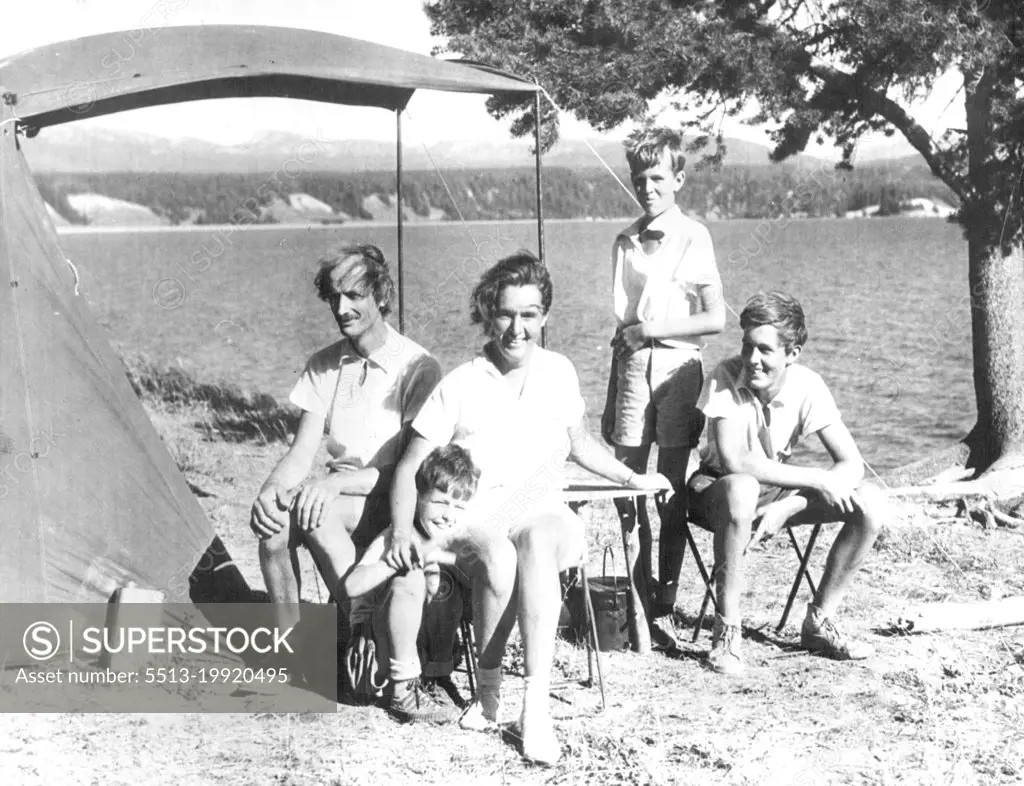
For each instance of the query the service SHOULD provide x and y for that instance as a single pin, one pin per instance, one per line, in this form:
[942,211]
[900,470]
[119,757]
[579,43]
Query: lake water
[885,299]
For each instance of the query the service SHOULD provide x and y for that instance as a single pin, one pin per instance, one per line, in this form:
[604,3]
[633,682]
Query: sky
[430,117]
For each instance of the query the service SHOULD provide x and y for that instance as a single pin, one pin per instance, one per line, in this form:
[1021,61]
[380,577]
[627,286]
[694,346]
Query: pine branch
[875,102]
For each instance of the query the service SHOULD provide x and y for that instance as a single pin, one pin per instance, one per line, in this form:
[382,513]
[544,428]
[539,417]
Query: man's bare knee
[277,546]
[874,509]
[345,513]
[329,539]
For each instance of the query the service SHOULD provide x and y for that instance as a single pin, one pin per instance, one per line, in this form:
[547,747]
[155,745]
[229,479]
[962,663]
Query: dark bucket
[608,597]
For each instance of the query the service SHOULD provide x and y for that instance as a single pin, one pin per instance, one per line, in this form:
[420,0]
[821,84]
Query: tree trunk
[997,323]
[997,306]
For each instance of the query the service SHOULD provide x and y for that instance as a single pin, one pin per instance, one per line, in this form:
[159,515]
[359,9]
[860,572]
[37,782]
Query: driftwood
[1003,480]
[1005,519]
[974,502]
[938,492]
[928,617]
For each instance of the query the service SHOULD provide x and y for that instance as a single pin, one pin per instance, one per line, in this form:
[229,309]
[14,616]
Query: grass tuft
[225,411]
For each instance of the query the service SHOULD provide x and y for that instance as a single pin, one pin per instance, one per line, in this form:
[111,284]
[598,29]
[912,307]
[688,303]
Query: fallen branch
[981,513]
[1005,519]
[950,475]
[961,616]
[988,514]
[1003,484]
[938,492]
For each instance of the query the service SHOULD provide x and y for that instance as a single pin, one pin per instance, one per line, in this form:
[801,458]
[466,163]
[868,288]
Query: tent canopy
[92,498]
[112,72]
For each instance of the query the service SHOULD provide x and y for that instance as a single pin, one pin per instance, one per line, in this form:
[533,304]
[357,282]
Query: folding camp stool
[802,554]
[579,574]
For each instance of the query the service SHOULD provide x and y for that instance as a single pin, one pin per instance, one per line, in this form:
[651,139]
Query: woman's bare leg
[486,561]
[545,546]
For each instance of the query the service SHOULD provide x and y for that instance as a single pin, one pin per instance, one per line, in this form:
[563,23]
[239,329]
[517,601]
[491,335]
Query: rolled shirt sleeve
[698,268]
[313,389]
[818,410]
[719,397]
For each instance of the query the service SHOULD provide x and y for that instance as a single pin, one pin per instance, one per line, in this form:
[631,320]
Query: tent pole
[401,266]
[540,204]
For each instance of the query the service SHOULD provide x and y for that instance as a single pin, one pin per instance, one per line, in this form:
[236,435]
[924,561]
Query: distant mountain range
[97,176]
[82,149]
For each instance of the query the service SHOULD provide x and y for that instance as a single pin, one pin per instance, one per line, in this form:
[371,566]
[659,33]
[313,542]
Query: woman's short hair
[644,148]
[779,310]
[450,470]
[376,276]
[520,269]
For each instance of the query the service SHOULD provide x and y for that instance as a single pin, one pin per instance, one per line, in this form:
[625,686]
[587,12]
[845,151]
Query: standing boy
[667,295]
[758,404]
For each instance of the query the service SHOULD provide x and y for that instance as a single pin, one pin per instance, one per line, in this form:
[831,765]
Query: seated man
[445,482]
[758,405]
[361,393]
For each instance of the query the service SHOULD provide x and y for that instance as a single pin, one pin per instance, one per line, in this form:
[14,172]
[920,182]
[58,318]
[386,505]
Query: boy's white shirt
[664,284]
[803,406]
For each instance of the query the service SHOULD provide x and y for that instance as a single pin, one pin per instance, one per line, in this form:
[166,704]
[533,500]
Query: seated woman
[517,408]
[361,393]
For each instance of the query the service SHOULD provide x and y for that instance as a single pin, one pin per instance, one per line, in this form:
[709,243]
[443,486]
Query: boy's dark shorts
[705,477]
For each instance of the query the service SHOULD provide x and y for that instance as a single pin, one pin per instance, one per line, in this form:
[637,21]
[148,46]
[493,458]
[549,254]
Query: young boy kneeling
[445,482]
[758,405]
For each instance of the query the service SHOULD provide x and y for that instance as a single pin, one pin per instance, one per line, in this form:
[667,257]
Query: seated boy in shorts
[445,482]
[758,404]
[667,295]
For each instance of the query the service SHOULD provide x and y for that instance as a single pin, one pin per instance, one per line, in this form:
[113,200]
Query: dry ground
[933,708]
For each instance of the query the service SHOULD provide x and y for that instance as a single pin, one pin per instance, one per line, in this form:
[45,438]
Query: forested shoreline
[731,192]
